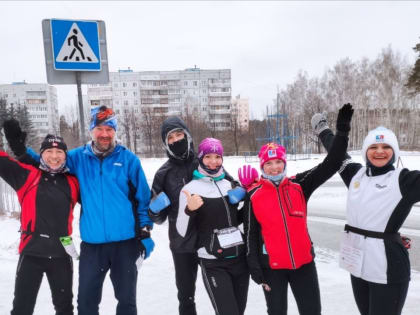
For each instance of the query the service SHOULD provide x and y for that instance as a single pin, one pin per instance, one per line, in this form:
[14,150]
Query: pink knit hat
[271,151]
[210,145]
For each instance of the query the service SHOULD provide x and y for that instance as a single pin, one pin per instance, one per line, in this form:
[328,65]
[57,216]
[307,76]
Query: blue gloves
[158,203]
[236,195]
[148,246]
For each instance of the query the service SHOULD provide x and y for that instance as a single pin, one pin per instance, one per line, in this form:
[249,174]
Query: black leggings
[379,299]
[29,275]
[186,266]
[226,282]
[304,285]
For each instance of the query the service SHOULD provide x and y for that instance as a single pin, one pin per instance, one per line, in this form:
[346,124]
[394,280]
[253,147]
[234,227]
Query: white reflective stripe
[207,283]
[343,166]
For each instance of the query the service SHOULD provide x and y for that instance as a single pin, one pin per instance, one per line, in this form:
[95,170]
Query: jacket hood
[172,123]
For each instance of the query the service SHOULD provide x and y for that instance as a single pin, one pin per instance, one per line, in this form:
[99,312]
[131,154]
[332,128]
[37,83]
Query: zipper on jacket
[212,241]
[226,206]
[292,259]
[102,193]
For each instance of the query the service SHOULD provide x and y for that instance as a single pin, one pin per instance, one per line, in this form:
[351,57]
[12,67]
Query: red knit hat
[271,151]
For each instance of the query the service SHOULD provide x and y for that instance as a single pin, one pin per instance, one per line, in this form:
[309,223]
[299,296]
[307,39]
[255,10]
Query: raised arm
[13,172]
[318,175]
[325,134]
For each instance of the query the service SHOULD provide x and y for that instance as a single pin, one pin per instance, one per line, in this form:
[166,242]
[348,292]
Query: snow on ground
[156,285]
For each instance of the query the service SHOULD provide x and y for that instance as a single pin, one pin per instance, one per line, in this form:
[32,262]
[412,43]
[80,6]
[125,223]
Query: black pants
[226,282]
[186,266]
[379,299]
[95,261]
[304,285]
[29,275]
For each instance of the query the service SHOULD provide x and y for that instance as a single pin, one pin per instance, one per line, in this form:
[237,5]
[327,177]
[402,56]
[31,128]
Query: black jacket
[170,178]
[216,214]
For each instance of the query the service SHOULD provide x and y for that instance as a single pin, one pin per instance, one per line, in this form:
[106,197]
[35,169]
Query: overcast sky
[265,44]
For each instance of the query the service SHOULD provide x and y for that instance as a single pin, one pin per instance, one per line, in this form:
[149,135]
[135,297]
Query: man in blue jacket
[114,223]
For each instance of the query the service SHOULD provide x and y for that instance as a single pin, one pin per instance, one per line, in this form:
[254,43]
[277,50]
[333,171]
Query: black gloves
[344,118]
[15,136]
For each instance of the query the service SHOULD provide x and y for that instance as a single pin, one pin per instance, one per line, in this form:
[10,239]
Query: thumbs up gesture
[193,201]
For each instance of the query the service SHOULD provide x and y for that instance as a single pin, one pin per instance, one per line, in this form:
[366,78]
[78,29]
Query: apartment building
[240,110]
[40,100]
[205,94]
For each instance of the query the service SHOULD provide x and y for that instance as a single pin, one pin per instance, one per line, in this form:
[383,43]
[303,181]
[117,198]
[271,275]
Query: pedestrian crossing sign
[75,45]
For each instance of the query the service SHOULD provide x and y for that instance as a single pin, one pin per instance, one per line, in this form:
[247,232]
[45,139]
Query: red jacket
[281,213]
[47,203]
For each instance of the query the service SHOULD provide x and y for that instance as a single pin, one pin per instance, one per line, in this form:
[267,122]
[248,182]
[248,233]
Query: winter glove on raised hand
[158,203]
[15,136]
[344,118]
[319,123]
[147,247]
[247,175]
[236,195]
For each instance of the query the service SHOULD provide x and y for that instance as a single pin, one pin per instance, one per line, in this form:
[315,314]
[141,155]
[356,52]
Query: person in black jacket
[169,179]
[47,195]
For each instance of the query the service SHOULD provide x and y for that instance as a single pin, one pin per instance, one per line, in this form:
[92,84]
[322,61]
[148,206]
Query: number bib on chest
[229,237]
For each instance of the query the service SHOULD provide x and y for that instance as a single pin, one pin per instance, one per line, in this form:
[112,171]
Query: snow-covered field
[156,285]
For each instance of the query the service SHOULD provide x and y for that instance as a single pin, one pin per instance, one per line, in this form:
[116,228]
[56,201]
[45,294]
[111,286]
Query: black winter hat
[51,141]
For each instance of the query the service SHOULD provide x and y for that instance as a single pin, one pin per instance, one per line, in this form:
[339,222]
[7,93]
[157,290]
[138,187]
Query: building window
[124,93]
[185,83]
[125,102]
[134,84]
[195,83]
[124,84]
[115,85]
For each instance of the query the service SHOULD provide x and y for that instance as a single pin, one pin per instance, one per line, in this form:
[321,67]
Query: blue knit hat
[103,116]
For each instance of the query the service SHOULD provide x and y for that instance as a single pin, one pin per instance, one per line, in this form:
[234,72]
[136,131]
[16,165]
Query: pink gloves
[247,175]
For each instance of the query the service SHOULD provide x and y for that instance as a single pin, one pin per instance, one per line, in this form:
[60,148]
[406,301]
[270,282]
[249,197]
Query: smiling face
[273,167]
[379,154]
[54,157]
[212,160]
[103,136]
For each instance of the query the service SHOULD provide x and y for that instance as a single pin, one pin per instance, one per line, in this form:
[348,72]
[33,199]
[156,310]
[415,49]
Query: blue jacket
[107,209]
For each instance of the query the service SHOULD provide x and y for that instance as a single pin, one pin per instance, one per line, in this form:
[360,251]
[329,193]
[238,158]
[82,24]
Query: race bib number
[229,237]
[351,258]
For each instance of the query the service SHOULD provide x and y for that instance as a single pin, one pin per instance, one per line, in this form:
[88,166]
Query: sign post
[75,53]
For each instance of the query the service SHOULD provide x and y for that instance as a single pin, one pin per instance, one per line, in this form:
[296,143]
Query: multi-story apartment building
[205,94]
[240,110]
[40,100]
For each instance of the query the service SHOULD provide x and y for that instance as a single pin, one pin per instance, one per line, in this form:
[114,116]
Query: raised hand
[15,136]
[247,175]
[344,118]
[193,201]
[319,123]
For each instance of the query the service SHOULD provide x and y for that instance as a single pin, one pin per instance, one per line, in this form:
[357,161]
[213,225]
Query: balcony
[219,93]
[219,85]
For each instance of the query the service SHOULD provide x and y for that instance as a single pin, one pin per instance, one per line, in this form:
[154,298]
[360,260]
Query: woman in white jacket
[380,197]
